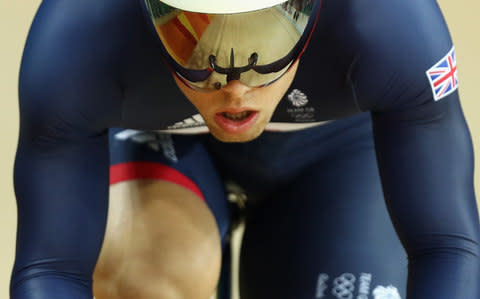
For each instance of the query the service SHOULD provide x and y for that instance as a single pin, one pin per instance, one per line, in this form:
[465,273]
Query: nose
[236,89]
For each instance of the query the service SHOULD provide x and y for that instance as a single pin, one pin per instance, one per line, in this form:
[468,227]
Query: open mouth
[236,122]
[237,116]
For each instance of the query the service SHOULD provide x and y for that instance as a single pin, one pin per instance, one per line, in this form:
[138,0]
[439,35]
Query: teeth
[236,116]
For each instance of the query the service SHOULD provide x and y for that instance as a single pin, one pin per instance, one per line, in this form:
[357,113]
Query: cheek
[202,101]
[205,102]
[271,98]
[205,110]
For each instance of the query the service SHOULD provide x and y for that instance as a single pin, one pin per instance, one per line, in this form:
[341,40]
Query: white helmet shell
[222,6]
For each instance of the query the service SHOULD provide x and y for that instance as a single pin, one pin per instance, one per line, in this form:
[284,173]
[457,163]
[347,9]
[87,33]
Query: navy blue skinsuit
[91,65]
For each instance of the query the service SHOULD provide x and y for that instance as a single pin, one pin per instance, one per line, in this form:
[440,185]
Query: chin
[237,138]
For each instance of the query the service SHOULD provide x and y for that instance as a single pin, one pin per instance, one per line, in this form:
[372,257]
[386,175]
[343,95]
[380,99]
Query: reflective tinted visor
[208,50]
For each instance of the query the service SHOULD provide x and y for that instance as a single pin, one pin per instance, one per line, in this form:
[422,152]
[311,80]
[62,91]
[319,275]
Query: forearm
[62,196]
[426,164]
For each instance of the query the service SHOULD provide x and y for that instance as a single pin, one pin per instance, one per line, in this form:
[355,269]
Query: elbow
[446,244]
[49,279]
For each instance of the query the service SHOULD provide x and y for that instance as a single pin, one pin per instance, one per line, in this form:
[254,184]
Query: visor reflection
[191,38]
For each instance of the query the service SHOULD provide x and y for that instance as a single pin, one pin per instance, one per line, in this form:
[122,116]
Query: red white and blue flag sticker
[443,76]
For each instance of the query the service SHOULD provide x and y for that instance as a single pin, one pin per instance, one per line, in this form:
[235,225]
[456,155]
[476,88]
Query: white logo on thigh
[389,292]
[343,286]
[152,139]
[166,142]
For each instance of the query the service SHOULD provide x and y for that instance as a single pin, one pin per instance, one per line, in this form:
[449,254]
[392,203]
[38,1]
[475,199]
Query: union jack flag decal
[443,76]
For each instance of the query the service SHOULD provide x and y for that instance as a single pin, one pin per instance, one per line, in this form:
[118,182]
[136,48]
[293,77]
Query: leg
[167,217]
[325,235]
[161,241]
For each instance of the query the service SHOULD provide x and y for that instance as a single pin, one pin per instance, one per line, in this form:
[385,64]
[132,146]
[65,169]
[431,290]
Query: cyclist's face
[237,112]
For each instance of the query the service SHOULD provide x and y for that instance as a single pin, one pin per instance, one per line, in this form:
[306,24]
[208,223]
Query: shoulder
[87,32]
[394,43]
[70,61]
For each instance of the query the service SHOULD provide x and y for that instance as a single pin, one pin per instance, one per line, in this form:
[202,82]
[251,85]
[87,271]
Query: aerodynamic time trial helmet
[207,43]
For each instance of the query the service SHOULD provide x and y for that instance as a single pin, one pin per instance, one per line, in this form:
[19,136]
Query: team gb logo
[390,292]
[298,98]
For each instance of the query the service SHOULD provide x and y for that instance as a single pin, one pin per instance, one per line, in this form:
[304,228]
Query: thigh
[182,160]
[167,216]
[325,234]
[160,239]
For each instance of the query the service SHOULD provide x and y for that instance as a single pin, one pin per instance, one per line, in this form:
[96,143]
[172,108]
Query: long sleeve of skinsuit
[67,97]
[405,73]
[81,62]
